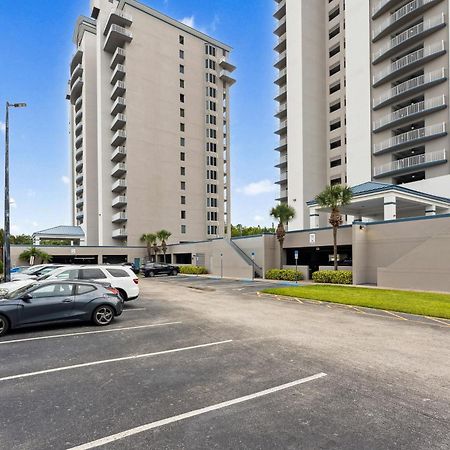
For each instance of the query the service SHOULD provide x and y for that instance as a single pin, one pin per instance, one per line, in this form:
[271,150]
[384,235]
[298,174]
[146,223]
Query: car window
[53,290]
[118,273]
[91,274]
[71,274]
[84,289]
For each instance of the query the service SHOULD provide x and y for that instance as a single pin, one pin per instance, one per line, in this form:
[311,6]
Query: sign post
[221,265]
[296,266]
[253,266]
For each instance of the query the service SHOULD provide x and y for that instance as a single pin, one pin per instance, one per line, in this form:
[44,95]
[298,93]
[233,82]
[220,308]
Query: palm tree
[33,252]
[163,235]
[150,239]
[284,213]
[334,197]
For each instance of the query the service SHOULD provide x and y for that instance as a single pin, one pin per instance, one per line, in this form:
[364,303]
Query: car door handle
[67,300]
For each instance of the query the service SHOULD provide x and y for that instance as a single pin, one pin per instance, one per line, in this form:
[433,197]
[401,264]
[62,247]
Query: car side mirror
[27,298]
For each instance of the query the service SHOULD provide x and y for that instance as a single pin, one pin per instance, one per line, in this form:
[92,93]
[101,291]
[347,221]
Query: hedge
[193,270]
[333,276]
[284,274]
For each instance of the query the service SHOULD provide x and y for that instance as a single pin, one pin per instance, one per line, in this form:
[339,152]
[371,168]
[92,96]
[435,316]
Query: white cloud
[258,218]
[214,23]
[2,127]
[34,223]
[12,203]
[189,21]
[258,187]
[65,180]
[15,228]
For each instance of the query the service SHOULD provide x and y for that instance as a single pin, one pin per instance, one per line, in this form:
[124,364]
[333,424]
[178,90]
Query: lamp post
[6,244]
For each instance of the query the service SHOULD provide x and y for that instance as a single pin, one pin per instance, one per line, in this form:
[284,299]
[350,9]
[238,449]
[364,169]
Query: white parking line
[197,412]
[134,309]
[106,361]
[109,330]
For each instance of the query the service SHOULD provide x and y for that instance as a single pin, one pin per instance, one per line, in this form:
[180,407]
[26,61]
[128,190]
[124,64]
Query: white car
[34,272]
[120,277]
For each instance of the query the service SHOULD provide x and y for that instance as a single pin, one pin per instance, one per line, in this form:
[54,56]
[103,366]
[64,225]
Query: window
[53,290]
[335,162]
[181,40]
[334,32]
[183,185]
[181,83]
[91,274]
[335,181]
[333,14]
[182,54]
[183,214]
[182,112]
[335,144]
[183,229]
[335,125]
[334,51]
[335,69]
[335,106]
[182,98]
[335,87]
[182,127]
[183,142]
[182,156]
[118,273]
[181,68]
[182,171]
[84,289]
[68,275]
[183,200]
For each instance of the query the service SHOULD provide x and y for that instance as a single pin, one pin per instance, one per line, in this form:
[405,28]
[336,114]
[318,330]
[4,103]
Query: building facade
[363,96]
[149,119]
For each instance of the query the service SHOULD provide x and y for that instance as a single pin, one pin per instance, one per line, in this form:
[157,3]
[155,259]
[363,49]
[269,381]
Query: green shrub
[193,270]
[1,267]
[284,274]
[333,276]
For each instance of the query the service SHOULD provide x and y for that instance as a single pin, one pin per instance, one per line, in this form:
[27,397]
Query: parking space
[204,364]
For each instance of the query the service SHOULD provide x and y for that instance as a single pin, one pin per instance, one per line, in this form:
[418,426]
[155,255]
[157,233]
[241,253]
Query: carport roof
[62,230]
[372,187]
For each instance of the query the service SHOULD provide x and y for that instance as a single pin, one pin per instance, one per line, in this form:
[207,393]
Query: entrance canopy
[374,201]
[74,235]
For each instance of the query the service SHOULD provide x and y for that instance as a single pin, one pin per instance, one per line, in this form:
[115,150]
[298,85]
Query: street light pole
[6,244]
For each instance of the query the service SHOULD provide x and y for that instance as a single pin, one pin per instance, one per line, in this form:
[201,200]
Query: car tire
[174,273]
[103,315]
[4,325]
[151,273]
[123,295]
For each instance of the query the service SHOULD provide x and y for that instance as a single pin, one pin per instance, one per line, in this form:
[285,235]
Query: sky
[36,48]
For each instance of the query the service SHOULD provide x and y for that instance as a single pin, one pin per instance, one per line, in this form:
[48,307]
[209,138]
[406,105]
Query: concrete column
[430,210]
[390,207]
[313,218]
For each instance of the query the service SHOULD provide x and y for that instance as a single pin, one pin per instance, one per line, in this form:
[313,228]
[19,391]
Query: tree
[150,239]
[284,214]
[21,239]
[240,230]
[334,197]
[37,254]
[163,235]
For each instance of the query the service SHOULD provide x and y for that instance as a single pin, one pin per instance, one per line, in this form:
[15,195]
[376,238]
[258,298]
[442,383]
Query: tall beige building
[150,130]
[363,95]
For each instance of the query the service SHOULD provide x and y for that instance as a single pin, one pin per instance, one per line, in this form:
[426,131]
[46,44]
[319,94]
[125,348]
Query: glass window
[91,274]
[53,290]
[84,289]
[118,273]
[68,275]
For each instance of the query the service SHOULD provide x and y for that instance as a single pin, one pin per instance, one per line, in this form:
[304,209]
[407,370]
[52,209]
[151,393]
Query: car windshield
[19,292]
[32,270]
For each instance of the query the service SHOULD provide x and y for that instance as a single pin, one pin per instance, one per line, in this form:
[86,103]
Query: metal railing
[258,270]
[409,85]
[410,137]
[119,185]
[121,232]
[410,110]
[120,30]
[411,162]
[380,5]
[409,34]
[121,216]
[408,60]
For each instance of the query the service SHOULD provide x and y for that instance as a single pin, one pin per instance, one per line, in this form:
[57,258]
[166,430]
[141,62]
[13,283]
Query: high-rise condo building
[363,96]
[150,129]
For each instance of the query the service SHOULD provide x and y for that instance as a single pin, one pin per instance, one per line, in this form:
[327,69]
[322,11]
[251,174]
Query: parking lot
[202,363]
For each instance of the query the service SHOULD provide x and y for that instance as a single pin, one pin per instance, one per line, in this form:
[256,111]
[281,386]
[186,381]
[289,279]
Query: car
[34,272]
[133,267]
[18,269]
[120,277]
[49,302]
[153,269]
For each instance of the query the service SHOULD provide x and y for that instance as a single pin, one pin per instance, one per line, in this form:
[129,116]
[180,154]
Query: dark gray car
[50,302]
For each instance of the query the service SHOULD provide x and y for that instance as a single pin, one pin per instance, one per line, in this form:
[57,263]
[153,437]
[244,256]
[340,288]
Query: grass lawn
[422,303]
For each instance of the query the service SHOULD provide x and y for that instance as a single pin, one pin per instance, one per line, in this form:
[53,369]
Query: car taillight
[113,290]
[136,280]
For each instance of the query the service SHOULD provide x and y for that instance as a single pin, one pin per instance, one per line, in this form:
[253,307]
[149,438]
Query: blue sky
[36,48]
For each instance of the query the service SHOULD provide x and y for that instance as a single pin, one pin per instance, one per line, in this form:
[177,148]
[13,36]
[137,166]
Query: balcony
[283,196]
[119,170]
[77,72]
[281,112]
[119,138]
[281,61]
[119,154]
[381,7]
[117,36]
[80,215]
[78,129]
[282,145]
[283,178]
[119,217]
[410,87]
[79,202]
[281,77]
[282,129]
[118,106]
[118,57]
[280,10]
[78,153]
[226,77]
[78,116]
[408,37]
[225,65]
[119,201]
[118,90]
[282,94]
[79,165]
[79,190]
[79,178]
[412,163]
[121,233]
[76,89]
[79,141]
[117,18]
[410,112]
[118,122]
[409,62]
[77,59]
[281,45]
[282,164]
[78,103]
[411,138]
[118,73]
[119,186]
[281,26]
[402,16]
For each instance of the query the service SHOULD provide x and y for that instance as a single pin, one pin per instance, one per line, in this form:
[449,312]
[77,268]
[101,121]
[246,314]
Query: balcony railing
[410,112]
[281,60]
[282,94]
[118,73]
[281,26]
[226,77]
[119,201]
[409,61]
[401,16]
[282,128]
[282,144]
[282,161]
[76,89]
[382,6]
[121,233]
[118,106]
[117,17]
[119,170]
[79,141]
[283,178]
[411,138]
[119,154]
[280,10]
[281,77]
[79,190]
[283,195]
[118,90]
[118,57]
[77,72]
[78,128]
[78,153]
[119,217]
[405,38]
[281,111]
[78,103]
[411,163]
[281,46]
[118,122]
[78,116]
[119,186]
[119,138]
[117,36]
[410,86]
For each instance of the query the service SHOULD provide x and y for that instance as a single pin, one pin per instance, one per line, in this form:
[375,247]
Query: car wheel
[174,272]
[103,315]
[151,274]
[123,295]
[4,325]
